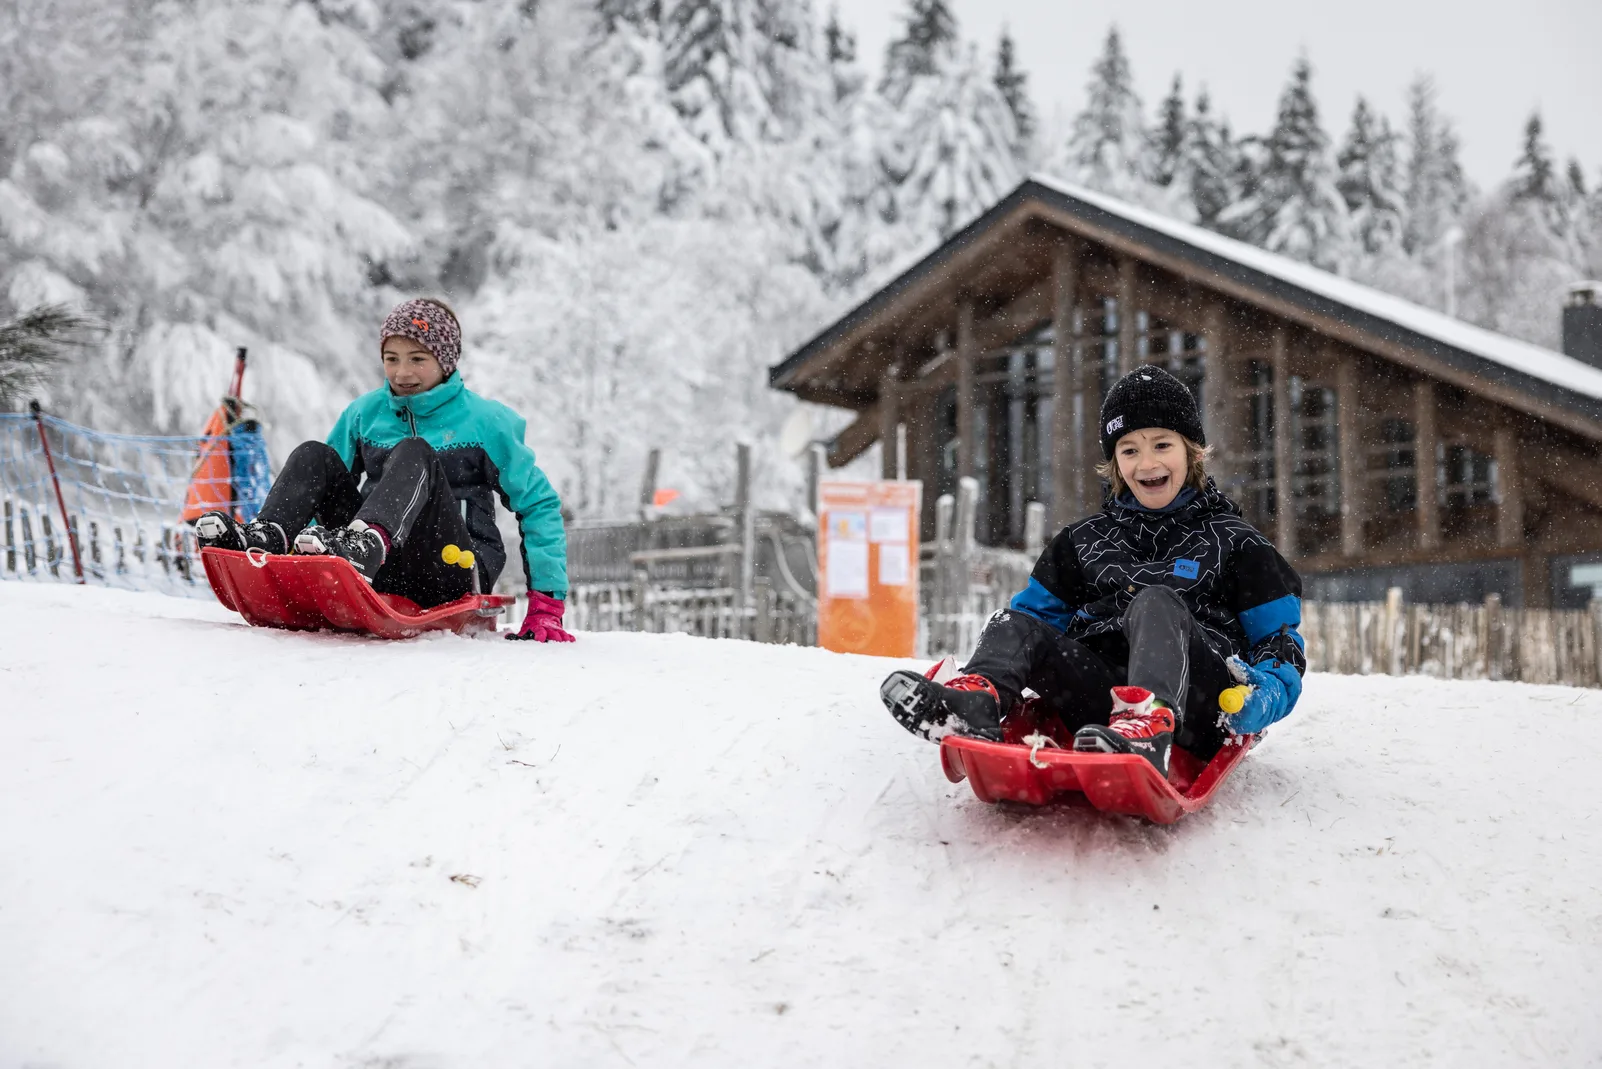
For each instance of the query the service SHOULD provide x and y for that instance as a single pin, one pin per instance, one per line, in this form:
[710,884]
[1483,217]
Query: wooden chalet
[1379,443]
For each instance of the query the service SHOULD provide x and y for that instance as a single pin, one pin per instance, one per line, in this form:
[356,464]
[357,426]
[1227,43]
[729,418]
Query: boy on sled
[1137,618]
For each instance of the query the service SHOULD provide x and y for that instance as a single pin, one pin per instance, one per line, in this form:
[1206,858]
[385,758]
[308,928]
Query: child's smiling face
[1153,464]
[410,368]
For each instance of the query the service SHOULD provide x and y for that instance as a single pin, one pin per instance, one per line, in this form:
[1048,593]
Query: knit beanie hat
[430,326]
[1148,397]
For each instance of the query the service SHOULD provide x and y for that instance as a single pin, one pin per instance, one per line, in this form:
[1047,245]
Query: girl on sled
[1162,600]
[435,455]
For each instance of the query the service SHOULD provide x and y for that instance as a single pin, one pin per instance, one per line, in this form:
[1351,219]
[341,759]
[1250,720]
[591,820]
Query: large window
[1393,464]
[1469,478]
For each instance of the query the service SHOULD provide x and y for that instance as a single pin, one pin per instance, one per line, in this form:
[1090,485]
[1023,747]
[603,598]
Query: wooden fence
[1485,641]
[165,556]
[772,615]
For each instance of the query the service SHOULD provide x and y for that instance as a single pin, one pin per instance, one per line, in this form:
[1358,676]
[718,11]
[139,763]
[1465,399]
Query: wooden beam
[967,397]
[1068,462]
[1570,472]
[1284,449]
[1426,444]
[852,442]
[1353,455]
[1217,392]
[1016,319]
[1510,512]
[1128,359]
[858,400]
[889,419]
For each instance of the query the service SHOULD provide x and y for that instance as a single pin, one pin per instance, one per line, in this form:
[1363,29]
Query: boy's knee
[1152,598]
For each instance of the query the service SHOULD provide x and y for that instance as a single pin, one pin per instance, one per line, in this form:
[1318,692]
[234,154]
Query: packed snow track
[231,847]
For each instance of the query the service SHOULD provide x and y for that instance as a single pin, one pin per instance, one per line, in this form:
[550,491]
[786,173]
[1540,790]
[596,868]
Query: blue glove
[1275,687]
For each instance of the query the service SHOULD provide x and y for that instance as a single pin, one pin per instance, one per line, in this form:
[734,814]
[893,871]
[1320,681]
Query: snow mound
[222,846]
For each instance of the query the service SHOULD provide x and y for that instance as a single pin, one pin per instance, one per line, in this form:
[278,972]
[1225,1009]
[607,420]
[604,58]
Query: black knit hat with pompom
[1148,397]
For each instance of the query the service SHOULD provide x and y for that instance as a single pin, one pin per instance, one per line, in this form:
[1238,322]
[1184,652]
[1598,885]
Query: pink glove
[544,620]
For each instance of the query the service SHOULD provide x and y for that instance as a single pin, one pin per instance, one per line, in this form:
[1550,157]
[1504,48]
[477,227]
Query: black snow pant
[413,503]
[1161,648]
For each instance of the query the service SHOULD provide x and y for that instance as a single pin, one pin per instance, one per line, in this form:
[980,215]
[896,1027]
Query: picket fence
[158,555]
[1468,641]
[772,614]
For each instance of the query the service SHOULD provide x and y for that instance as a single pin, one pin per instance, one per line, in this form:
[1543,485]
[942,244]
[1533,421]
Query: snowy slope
[225,847]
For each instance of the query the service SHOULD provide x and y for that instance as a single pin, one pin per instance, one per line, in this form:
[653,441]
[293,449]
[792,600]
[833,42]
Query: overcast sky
[1494,61]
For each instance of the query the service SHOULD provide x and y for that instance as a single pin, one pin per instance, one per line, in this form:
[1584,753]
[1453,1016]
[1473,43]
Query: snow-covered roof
[1543,376]
[1553,367]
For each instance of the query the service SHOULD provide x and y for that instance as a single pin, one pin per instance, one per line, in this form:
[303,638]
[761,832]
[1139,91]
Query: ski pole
[61,502]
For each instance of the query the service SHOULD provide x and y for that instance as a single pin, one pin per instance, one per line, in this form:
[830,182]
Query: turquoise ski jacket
[480,444]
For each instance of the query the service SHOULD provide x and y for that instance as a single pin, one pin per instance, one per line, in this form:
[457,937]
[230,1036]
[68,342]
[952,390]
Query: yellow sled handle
[1233,700]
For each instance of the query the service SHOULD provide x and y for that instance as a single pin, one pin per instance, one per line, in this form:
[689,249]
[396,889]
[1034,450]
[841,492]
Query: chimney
[1582,323]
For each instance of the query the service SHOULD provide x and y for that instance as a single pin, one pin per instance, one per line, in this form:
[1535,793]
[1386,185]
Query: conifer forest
[638,206]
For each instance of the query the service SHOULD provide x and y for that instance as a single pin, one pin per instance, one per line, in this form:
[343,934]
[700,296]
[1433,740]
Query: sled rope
[1035,742]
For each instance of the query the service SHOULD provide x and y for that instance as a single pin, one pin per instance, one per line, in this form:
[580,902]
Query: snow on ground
[222,846]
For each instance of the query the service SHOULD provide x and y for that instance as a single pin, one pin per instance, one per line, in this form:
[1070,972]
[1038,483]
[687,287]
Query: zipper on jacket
[410,419]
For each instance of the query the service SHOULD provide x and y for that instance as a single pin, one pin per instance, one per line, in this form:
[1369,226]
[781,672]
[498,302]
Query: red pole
[236,389]
[66,524]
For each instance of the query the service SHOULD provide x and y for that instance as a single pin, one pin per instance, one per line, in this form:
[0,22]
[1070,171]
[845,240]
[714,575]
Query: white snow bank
[222,846]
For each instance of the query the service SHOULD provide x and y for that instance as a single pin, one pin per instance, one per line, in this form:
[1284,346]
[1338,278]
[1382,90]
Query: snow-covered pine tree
[1295,207]
[1437,194]
[928,37]
[212,195]
[1013,83]
[953,150]
[1212,162]
[1169,135]
[1537,186]
[1107,148]
[1370,180]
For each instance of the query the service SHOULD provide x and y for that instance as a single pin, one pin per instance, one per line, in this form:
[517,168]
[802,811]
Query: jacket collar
[423,405]
[1189,502]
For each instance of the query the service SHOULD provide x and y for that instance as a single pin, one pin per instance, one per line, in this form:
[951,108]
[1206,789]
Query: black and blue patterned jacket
[1245,596]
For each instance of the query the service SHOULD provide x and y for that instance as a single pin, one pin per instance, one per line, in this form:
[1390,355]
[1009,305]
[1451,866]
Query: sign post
[868,567]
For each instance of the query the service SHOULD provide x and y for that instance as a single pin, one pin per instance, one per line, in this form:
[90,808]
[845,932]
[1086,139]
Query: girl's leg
[414,505]
[314,482]
[1169,655]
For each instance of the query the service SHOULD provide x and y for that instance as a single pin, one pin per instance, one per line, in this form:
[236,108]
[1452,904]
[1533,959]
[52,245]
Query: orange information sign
[868,567]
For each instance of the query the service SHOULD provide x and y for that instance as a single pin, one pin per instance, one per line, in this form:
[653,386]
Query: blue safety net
[124,499]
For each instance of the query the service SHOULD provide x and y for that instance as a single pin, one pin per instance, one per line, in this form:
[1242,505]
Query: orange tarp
[211,486]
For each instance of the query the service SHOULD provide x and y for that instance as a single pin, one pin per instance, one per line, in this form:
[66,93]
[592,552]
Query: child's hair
[1195,455]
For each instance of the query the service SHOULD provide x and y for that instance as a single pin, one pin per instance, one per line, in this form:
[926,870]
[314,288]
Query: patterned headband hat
[430,326]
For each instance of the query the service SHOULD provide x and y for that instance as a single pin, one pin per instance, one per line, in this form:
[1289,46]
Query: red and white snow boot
[1138,725]
[965,705]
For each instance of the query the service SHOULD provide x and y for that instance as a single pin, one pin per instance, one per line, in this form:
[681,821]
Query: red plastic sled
[1117,783]
[326,593]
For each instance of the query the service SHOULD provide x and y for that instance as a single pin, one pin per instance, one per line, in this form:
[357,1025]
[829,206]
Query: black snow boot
[967,705]
[358,543]
[222,531]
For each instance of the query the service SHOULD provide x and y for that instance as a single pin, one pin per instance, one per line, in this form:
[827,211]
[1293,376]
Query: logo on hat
[1116,423]
[420,324]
